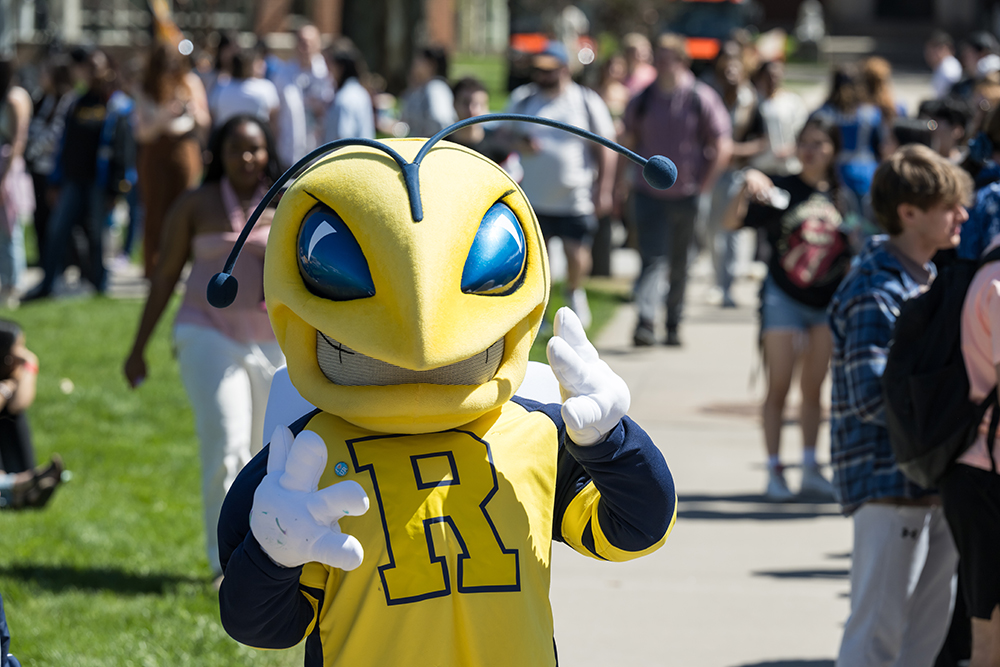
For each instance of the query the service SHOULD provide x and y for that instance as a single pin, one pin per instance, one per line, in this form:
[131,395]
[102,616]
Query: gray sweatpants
[902,587]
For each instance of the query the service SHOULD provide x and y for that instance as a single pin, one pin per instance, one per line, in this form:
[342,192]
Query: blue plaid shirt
[984,217]
[862,315]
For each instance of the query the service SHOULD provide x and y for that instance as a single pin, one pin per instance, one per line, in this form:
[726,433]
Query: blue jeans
[6,659]
[135,213]
[722,243]
[664,229]
[12,261]
[84,205]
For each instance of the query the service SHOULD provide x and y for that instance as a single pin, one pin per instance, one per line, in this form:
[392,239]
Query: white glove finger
[338,550]
[277,453]
[569,369]
[306,462]
[581,412]
[567,326]
[337,501]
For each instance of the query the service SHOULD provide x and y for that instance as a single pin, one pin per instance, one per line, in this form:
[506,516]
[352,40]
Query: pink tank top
[245,320]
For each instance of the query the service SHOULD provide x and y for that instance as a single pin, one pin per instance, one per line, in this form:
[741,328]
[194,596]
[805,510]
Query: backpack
[925,387]
[816,252]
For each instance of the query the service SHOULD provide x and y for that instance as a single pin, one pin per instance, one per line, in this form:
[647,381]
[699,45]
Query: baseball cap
[554,56]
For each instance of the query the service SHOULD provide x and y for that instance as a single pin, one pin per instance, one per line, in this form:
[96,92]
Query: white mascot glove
[594,397]
[293,521]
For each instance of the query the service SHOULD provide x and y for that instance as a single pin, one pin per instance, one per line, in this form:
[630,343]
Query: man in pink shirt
[970,492]
[686,120]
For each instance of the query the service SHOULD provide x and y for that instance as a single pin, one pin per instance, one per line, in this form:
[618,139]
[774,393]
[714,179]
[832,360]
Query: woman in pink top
[970,492]
[226,357]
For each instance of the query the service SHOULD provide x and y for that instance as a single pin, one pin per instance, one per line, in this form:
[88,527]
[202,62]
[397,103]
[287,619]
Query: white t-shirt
[291,141]
[784,115]
[317,90]
[428,109]
[559,177]
[948,73]
[257,97]
[351,113]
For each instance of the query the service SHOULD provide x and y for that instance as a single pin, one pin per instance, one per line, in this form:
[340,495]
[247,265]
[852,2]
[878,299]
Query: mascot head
[405,280]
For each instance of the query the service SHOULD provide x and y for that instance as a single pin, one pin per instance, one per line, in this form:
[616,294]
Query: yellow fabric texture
[418,318]
[583,509]
[414,594]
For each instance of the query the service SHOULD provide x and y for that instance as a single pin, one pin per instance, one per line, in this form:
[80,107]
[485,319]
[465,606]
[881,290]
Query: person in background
[612,89]
[978,55]
[170,116]
[904,559]
[810,257]
[472,99]
[247,92]
[17,193]
[639,70]
[226,48]
[951,117]
[984,216]
[749,140]
[226,356]
[23,484]
[292,124]
[568,180]
[308,71]
[678,116]
[860,128]
[876,75]
[784,115]
[96,151]
[352,113]
[44,135]
[939,54]
[428,106]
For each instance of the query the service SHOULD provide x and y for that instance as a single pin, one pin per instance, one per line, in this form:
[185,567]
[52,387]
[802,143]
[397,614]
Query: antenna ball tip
[659,172]
[222,290]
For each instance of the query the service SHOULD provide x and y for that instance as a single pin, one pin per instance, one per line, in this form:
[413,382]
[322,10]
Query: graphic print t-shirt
[810,252]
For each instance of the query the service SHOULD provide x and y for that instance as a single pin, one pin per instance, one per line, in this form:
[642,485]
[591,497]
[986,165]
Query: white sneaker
[577,301]
[815,485]
[777,488]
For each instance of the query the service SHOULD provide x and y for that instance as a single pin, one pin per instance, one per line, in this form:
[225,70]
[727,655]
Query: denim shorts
[780,312]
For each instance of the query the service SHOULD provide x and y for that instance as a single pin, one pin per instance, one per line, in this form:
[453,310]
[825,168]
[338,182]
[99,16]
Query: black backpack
[925,387]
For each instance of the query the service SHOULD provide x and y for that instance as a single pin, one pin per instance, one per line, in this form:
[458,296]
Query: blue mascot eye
[330,259]
[496,258]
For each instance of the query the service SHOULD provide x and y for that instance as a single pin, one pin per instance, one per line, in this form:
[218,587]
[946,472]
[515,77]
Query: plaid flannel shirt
[862,315]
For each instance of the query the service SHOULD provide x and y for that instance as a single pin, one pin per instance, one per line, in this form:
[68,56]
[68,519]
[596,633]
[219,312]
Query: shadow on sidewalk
[751,506]
[842,573]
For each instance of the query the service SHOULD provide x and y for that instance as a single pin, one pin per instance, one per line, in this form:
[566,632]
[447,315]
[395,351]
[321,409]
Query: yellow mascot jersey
[457,540]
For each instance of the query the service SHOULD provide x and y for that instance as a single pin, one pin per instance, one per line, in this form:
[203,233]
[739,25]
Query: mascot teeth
[343,366]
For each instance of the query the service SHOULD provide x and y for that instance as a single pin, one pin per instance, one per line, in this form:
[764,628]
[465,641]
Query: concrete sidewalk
[740,582]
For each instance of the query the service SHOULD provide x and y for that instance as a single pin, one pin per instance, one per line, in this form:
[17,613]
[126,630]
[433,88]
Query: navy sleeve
[261,603]
[638,501]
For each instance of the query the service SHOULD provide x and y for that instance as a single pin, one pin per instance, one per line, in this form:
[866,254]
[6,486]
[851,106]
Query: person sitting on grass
[22,484]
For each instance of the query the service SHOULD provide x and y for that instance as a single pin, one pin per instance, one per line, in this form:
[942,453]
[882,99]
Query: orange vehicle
[707,23]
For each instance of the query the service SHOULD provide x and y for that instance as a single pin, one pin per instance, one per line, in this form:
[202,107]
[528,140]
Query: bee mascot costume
[409,519]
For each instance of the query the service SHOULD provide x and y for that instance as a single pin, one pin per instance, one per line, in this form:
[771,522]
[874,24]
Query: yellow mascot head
[405,280]
[401,325]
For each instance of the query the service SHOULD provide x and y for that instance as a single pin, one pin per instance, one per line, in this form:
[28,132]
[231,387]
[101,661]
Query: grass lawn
[113,571]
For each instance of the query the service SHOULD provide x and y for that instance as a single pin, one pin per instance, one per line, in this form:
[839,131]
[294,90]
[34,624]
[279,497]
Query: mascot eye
[496,258]
[330,259]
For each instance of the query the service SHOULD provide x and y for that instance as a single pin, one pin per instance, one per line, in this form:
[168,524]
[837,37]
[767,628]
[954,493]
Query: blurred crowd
[186,143]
